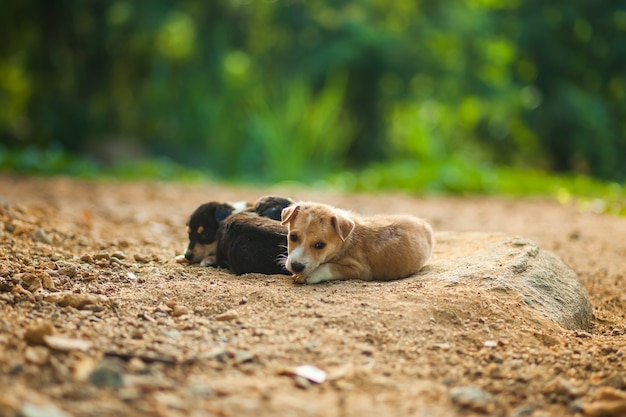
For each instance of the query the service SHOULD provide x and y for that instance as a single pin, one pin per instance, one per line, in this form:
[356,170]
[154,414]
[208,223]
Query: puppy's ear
[343,225]
[289,213]
[222,212]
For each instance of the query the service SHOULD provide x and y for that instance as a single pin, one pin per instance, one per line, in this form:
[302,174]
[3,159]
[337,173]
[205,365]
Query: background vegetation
[416,94]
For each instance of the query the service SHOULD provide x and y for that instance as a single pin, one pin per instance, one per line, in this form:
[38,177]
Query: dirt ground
[98,319]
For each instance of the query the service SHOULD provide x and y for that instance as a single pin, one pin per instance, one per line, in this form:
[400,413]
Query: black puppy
[248,243]
[205,221]
[202,230]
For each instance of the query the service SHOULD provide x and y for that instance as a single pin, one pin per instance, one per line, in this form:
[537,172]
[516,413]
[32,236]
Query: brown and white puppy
[326,243]
[250,243]
[205,221]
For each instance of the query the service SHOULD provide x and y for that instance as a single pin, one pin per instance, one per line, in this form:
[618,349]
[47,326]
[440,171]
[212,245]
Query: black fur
[248,243]
[207,216]
[271,206]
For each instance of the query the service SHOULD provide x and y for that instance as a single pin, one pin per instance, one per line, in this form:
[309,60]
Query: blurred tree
[242,87]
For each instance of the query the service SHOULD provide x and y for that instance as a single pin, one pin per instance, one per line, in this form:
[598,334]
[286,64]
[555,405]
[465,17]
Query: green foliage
[271,91]
[451,176]
[33,161]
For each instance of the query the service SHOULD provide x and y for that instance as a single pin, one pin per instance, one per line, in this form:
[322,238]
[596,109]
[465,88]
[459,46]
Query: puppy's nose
[188,255]
[297,267]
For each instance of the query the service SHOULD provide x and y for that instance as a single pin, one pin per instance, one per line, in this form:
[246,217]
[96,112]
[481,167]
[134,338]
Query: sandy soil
[99,320]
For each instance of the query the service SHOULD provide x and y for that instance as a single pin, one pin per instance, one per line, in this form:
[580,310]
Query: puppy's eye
[320,245]
[293,237]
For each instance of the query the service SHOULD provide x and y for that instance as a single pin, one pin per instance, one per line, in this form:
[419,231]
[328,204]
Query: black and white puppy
[205,221]
[202,230]
[249,243]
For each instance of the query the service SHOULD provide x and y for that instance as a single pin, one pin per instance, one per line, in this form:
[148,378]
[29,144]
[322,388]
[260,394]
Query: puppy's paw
[208,261]
[299,279]
[321,274]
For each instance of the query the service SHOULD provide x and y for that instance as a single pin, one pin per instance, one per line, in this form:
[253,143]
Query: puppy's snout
[188,255]
[297,267]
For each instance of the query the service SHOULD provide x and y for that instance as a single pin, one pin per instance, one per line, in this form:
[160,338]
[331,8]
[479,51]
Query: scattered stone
[108,373]
[20,294]
[172,302]
[75,300]
[244,300]
[118,255]
[229,315]
[617,381]
[87,259]
[490,343]
[147,317]
[70,271]
[605,409]
[35,335]
[131,276]
[83,368]
[66,344]
[144,259]
[136,365]
[37,355]
[308,372]
[442,346]
[473,398]
[46,281]
[179,310]
[32,410]
[163,308]
[608,402]
[243,356]
[40,235]
[301,382]
[101,256]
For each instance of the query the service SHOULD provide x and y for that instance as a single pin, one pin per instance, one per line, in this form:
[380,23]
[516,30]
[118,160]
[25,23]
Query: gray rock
[515,266]
[108,373]
[471,397]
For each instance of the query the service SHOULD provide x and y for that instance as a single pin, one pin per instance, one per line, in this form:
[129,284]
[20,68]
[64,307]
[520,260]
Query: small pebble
[37,355]
[311,373]
[66,344]
[32,410]
[41,236]
[108,373]
[69,271]
[243,356]
[474,398]
[35,334]
[119,255]
[227,316]
[141,258]
[301,382]
[83,368]
[179,310]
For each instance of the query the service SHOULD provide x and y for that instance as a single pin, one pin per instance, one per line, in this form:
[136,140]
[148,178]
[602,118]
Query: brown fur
[325,243]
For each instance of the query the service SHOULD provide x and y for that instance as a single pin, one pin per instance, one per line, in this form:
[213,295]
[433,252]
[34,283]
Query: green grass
[459,177]
[453,176]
